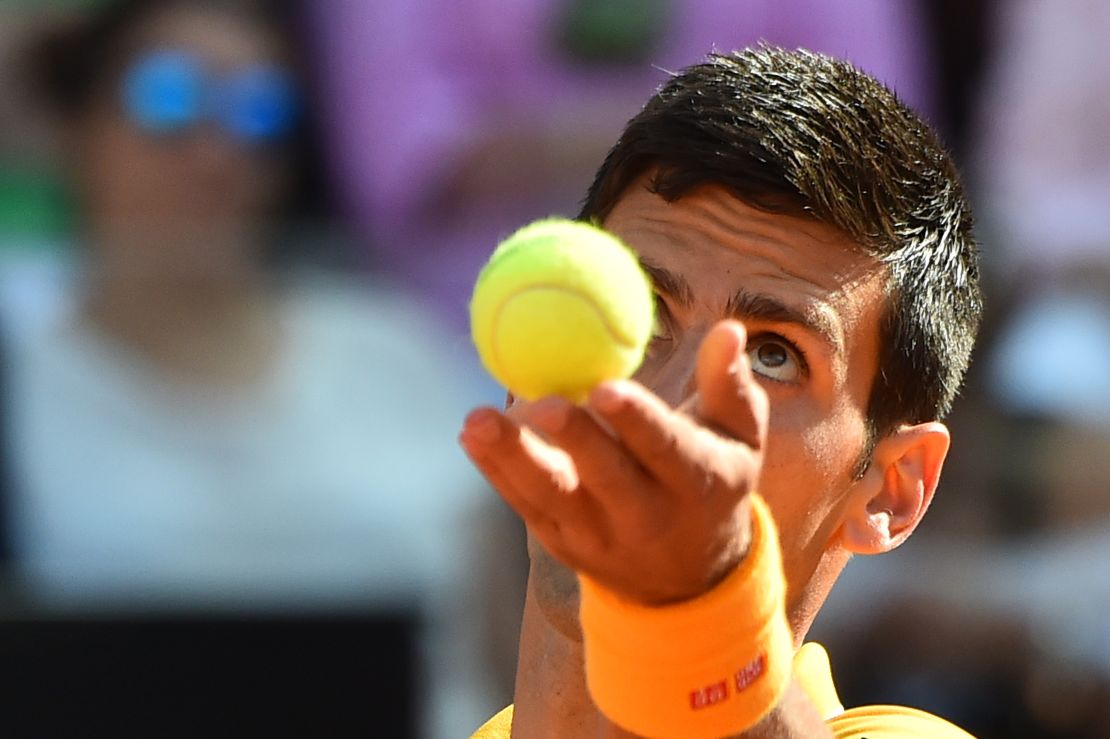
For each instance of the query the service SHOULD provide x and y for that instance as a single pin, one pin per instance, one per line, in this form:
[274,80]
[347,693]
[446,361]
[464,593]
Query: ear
[886,505]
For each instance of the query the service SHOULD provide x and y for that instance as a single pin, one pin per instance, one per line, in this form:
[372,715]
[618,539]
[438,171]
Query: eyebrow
[669,283]
[817,320]
[746,305]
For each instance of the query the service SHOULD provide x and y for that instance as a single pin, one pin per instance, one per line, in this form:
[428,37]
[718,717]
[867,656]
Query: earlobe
[888,503]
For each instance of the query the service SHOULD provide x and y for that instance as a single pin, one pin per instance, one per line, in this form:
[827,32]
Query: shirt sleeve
[892,722]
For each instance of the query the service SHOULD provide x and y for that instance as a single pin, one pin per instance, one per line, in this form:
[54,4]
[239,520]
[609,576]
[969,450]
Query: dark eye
[775,358]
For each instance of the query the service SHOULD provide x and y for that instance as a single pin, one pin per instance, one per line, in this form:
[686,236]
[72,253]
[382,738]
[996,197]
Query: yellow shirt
[498,727]
[812,671]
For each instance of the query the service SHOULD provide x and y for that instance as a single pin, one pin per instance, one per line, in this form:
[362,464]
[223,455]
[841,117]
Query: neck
[550,697]
[802,607]
[215,329]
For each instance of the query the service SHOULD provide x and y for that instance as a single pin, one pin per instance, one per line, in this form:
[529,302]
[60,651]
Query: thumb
[728,396]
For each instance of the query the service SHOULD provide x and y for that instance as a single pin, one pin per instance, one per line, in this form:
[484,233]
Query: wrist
[735,553]
[706,667]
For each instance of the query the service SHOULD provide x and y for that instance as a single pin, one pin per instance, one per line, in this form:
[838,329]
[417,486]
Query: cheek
[268,179]
[117,168]
[668,371]
[796,474]
[808,465]
[128,174]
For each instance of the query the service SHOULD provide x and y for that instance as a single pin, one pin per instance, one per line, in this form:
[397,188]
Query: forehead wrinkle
[720,209]
[715,216]
[770,242]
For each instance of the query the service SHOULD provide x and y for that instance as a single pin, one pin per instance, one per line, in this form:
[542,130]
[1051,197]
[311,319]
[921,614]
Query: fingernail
[482,428]
[736,328]
[550,415]
[608,397]
[740,368]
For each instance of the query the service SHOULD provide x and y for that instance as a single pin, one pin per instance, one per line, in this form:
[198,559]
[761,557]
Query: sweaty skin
[645,489]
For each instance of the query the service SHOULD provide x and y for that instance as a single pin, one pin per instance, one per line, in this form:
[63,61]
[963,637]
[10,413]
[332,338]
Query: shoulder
[813,671]
[498,727]
[892,722]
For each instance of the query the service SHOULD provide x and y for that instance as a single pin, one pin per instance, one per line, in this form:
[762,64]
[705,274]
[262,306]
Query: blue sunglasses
[168,92]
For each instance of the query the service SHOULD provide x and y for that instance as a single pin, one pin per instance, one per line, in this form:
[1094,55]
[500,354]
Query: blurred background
[236,243]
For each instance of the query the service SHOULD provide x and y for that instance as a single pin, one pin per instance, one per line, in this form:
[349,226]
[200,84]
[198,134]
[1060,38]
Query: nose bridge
[211,147]
[673,378]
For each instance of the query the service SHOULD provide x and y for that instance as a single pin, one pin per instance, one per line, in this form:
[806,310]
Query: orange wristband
[709,667]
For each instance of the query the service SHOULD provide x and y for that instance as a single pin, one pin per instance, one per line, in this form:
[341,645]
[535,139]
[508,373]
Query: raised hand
[649,501]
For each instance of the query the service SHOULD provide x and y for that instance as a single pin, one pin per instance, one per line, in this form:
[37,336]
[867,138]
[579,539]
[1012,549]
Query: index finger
[678,452]
[728,396]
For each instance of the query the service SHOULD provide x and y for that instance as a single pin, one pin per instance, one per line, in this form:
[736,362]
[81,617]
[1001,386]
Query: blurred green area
[33,197]
[33,202]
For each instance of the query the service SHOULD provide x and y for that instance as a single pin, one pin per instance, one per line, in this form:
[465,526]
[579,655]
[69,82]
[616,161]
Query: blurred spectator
[456,122]
[202,423]
[1043,177]
[995,614]
[960,43]
[1043,142]
[1043,181]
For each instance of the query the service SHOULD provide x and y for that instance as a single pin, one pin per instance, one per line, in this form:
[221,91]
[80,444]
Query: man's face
[811,303]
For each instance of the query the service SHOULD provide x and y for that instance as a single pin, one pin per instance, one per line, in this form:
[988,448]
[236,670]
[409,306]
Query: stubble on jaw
[555,589]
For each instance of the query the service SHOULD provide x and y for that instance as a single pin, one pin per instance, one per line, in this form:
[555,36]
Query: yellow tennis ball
[561,306]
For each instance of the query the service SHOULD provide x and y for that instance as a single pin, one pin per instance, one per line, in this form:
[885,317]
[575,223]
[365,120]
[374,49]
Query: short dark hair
[805,134]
